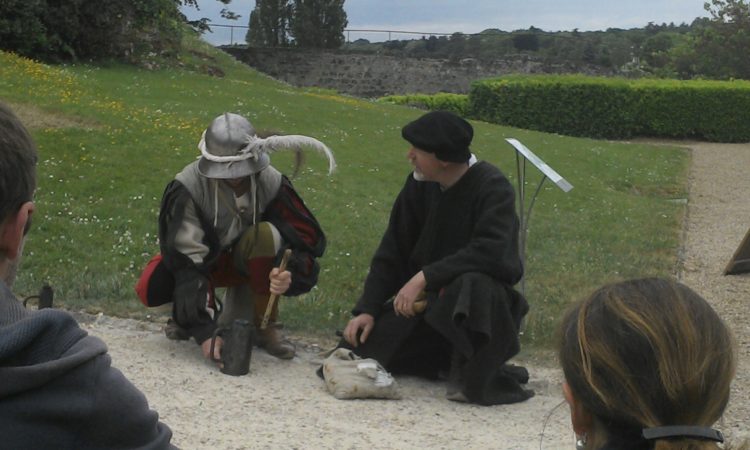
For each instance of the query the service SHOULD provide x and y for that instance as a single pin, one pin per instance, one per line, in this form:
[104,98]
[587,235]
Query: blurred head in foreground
[648,365]
[17,183]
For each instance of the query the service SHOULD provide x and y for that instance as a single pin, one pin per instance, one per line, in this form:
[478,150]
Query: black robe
[465,240]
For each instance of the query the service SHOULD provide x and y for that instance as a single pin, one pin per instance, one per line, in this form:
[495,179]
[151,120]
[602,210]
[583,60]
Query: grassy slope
[100,185]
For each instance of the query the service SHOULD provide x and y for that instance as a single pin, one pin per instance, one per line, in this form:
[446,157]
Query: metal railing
[371,35]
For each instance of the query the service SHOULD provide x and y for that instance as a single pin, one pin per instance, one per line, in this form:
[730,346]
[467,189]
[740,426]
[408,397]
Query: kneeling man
[452,240]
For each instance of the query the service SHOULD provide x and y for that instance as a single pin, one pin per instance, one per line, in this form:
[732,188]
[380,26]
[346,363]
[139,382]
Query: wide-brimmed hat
[230,148]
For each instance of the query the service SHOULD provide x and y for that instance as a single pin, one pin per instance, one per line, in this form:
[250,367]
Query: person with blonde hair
[648,365]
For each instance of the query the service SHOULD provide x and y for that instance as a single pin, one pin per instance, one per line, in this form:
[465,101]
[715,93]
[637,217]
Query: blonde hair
[646,353]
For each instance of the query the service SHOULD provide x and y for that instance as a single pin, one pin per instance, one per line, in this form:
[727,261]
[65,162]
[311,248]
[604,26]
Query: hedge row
[615,108]
[609,108]
[456,103]
[714,111]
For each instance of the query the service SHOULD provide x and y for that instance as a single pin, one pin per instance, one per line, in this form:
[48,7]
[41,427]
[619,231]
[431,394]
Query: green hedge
[562,105]
[616,108]
[711,110]
[457,103]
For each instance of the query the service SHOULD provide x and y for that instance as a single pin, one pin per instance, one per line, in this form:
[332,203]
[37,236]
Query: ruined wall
[366,75]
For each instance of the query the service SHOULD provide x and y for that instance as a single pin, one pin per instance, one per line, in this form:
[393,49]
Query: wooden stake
[272,299]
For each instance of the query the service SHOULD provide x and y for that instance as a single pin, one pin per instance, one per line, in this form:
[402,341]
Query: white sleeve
[189,238]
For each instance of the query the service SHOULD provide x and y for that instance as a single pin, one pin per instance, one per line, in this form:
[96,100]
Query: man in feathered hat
[225,221]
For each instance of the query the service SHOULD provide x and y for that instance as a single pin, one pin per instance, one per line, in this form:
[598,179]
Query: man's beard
[419,176]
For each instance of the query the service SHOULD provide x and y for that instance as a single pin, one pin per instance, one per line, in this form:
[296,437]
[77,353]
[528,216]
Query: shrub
[457,103]
[616,108]
[88,29]
[561,104]
[713,110]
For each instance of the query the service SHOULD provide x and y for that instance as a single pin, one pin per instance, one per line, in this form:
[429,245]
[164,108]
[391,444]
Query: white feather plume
[291,142]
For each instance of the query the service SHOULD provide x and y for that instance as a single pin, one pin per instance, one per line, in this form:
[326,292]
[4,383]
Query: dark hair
[646,353]
[18,159]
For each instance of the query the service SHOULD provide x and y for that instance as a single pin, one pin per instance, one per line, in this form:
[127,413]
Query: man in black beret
[452,245]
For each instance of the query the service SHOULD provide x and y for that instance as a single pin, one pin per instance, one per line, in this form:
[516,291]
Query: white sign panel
[548,171]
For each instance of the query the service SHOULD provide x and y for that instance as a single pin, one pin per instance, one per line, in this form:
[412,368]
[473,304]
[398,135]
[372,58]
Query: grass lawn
[110,138]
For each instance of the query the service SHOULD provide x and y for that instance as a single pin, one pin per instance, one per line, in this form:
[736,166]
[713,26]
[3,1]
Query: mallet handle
[273,297]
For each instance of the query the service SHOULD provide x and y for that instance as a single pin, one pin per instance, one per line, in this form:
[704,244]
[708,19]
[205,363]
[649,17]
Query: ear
[581,419]
[11,231]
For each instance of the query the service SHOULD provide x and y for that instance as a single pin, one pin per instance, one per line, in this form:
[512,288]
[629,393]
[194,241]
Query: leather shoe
[175,332]
[274,343]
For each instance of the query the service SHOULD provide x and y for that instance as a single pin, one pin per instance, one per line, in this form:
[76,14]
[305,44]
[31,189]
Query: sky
[471,16]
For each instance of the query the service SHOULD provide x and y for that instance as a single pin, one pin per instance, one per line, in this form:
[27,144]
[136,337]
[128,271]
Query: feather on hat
[230,148]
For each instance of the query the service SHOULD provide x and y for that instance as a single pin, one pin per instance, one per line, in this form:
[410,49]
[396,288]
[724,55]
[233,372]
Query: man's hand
[206,347]
[280,281]
[403,304]
[364,322]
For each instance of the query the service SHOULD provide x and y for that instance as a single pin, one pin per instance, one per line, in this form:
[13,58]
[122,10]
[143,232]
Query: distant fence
[226,34]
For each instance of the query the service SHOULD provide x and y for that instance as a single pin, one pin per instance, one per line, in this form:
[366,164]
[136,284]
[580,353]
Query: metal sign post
[523,154]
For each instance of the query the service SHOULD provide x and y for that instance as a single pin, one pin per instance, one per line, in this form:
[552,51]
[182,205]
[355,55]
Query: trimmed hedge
[457,103]
[616,108]
[716,111]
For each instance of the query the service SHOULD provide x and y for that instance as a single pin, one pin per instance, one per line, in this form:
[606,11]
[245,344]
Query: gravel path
[282,404]
[718,218]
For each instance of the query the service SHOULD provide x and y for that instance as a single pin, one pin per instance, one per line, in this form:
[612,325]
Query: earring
[581,442]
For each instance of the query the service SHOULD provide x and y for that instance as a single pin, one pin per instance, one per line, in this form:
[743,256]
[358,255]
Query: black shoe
[175,332]
[518,373]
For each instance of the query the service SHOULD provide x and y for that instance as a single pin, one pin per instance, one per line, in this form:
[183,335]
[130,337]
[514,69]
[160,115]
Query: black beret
[443,133]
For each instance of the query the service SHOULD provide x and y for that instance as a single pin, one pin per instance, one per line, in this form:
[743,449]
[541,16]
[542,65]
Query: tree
[53,30]
[318,23]
[201,25]
[457,47]
[655,49]
[269,23]
[526,41]
[721,45]
[431,44]
[21,27]
[683,59]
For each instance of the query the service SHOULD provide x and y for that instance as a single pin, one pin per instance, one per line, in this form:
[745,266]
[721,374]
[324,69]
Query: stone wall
[367,75]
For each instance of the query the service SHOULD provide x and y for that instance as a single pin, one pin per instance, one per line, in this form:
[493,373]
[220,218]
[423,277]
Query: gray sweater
[58,389]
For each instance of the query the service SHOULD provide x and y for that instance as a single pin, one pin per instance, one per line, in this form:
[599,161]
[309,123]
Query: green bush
[457,103]
[55,31]
[712,110]
[616,108]
[569,105]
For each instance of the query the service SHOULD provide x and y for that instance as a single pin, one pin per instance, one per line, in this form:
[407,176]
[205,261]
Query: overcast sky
[473,16]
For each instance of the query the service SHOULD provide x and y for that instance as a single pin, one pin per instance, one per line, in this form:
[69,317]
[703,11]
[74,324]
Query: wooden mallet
[420,304]
[273,297]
